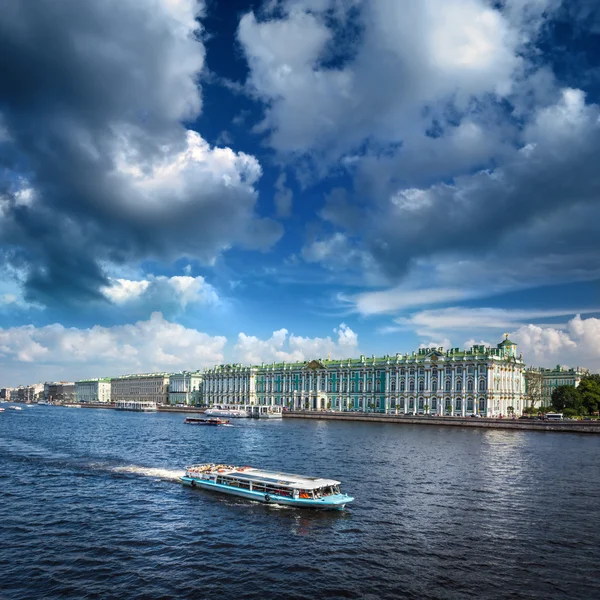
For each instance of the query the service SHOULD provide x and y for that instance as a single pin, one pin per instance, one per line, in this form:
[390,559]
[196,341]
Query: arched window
[470,385]
[401,403]
[434,404]
[434,385]
[378,386]
[421,385]
[411,403]
[345,388]
[393,385]
[481,404]
[329,386]
[353,386]
[360,386]
[459,386]
[482,385]
[411,385]
[470,405]
[458,404]
[402,385]
[448,385]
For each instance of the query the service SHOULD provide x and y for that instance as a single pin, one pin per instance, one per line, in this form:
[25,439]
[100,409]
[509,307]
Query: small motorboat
[213,421]
[15,408]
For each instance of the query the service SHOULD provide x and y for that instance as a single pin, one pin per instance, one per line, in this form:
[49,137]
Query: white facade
[185,388]
[93,390]
[150,387]
[483,380]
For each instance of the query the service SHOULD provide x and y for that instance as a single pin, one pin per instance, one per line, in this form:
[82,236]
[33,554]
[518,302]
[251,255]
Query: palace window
[459,386]
[345,386]
[330,387]
[353,386]
[448,385]
[393,385]
[411,403]
[470,385]
[459,370]
[401,403]
[434,385]
[421,385]
[421,404]
[369,385]
[322,384]
[448,404]
[360,386]
[378,386]
[482,385]
[411,385]
[421,371]
[434,404]
[402,385]
[458,404]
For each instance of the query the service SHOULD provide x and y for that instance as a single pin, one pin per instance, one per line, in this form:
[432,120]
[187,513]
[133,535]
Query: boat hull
[337,502]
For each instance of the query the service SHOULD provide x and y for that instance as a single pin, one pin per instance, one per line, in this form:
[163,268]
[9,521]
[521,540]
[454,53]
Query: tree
[534,386]
[589,391]
[426,407]
[567,396]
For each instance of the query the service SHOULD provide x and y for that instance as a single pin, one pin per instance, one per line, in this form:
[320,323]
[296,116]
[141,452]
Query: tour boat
[268,486]
[232,413]
[212,421]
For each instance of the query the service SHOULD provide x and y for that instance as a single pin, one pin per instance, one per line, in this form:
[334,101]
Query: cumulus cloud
[159,291]
[56,352]
[283,346]
[95,132]
[401,57]
[577,345]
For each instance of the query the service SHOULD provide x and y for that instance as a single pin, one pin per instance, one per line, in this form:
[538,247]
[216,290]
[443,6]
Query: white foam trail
[165,474]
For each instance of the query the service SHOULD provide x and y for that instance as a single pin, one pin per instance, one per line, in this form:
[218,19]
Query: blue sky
[184,183]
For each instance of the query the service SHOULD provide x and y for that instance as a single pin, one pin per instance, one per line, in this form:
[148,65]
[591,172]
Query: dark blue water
[89,508]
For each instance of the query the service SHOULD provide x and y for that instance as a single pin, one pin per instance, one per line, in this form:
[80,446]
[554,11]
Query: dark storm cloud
[92,96]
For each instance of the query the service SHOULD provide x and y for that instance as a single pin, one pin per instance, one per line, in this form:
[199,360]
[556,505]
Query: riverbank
[113,406]
[521,424]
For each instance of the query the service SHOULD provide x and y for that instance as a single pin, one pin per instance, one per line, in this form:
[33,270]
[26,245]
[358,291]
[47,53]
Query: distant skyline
[188,183]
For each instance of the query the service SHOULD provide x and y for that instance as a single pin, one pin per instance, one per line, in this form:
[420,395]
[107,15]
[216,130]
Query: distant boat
[15,408]
[211,421]
[137,406]
[268,486]
[260,411]
[229,412]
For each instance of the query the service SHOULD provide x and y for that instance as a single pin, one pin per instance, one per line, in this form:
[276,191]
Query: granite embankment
[523,424]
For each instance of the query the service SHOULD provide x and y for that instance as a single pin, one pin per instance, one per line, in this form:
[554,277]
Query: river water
[90,508]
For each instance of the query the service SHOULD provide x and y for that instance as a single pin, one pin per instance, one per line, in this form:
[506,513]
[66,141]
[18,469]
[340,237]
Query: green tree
[589,391]
[426,408]
[567,396]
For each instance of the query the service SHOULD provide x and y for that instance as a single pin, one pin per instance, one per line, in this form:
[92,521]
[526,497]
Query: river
[90,507]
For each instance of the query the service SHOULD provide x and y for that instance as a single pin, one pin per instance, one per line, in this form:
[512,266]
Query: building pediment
[315,364]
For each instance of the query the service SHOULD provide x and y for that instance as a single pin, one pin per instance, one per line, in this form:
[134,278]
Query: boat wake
[155,473]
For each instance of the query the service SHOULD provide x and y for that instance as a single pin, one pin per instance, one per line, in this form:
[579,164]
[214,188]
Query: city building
[185,388]
[92,390]
[542,382]
[149,387]
[5,394]
[482,380]
[27,393]
[59,391]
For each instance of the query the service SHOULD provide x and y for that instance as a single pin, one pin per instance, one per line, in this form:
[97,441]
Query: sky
[186,183]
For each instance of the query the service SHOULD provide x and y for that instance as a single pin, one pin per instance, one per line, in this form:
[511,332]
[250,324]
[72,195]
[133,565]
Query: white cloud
[577,345]
[181,289]
[282,346]
[408,55]
[53,351]
[472,319]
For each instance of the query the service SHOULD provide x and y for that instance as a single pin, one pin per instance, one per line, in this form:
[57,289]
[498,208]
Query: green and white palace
[483,380]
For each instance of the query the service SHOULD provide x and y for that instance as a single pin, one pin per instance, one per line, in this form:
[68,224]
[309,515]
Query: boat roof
[287,479]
